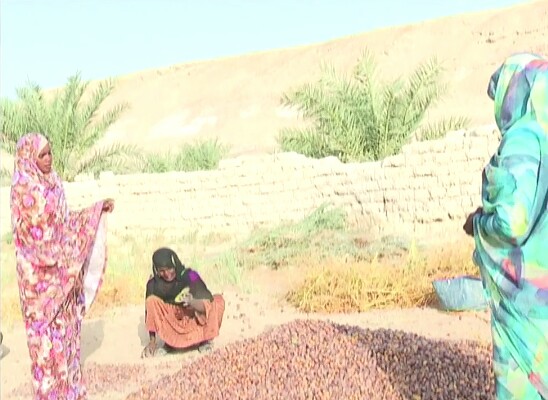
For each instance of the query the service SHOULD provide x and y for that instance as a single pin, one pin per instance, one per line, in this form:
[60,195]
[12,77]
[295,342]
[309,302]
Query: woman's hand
[108,205]
[187,300]
[468,226]
[149,350]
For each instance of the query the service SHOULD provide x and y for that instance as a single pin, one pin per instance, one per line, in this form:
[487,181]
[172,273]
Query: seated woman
[179,308]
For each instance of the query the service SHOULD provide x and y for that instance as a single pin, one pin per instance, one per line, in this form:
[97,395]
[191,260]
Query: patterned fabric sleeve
[35,230]
[197,286]
[80,228]
[80,219]
[509,189]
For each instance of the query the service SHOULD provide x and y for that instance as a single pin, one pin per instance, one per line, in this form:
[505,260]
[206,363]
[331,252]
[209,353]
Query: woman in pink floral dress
[61,259]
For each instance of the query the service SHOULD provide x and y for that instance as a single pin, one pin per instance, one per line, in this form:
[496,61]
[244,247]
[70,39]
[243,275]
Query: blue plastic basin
[462,293]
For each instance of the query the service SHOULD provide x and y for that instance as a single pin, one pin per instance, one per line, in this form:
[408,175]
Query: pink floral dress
[61,259]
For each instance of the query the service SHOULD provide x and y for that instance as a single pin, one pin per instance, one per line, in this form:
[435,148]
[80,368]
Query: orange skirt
[192,329]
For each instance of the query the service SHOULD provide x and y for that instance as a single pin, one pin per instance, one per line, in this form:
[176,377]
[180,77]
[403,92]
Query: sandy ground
[119,336]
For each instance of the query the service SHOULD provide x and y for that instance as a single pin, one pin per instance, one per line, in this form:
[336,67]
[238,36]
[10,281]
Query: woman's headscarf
[518,88]
[168,291]
[30,187]
[27,150]
[511,233]
[38,212]
[35,192]
[164,257]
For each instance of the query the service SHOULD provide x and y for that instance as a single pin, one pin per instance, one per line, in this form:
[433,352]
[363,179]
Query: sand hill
[238,99]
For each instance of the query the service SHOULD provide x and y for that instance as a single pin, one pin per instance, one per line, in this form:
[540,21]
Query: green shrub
[360,118]
[71,120]
[202,155]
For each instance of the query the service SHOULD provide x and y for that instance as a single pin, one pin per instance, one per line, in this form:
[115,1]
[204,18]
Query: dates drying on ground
[309,359]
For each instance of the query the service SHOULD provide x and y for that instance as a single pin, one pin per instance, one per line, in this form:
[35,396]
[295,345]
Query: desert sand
[237,100]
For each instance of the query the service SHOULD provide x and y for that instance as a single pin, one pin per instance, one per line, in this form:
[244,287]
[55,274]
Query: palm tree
[71,121]
[359,118]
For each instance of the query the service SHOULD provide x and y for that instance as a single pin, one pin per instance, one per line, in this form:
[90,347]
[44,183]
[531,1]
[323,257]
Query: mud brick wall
[429,187]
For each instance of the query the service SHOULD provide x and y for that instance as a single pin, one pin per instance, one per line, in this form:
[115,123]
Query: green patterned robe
[511,235]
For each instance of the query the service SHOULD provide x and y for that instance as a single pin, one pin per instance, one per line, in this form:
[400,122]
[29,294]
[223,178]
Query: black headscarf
[185,279]
[164,257]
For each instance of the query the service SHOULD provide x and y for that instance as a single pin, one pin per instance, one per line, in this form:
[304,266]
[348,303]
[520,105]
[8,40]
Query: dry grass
[335,286]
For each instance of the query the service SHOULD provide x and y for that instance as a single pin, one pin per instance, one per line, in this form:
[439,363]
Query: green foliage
[276,247]
[360,118]
[323,234]
[70,119]
[203,155]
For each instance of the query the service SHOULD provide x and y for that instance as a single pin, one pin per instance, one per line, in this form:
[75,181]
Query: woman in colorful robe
[61,258]
[179,308]
[511,229]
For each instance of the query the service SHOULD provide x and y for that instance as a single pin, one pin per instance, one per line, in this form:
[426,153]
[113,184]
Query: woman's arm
[197,287]
[197,305]
[77,219]
[510,189]
[149,288]
[106,205]
[35,230]
[198,291]
[149,292]
[151,347]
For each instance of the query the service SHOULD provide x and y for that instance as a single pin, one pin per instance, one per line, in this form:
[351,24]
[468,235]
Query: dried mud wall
[425,191]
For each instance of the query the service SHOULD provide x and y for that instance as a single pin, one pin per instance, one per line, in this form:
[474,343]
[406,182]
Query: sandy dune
[238,99]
